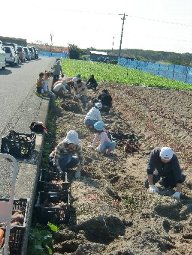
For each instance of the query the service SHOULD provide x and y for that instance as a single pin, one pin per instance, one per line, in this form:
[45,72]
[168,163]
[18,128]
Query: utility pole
[113,43]
[51,37]
[123,19]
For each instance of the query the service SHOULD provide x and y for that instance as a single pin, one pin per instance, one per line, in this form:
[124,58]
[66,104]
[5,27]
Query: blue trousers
[107,146]
[68,161]
[89,122]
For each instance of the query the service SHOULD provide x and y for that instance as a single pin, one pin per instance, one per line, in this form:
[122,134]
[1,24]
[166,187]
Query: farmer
[39,83]
[60,88]
[57,70]
[106,146]
[81,93]
[163,164]
[93,115]
[92,83]
[68,153]
[74,80]
[106,100]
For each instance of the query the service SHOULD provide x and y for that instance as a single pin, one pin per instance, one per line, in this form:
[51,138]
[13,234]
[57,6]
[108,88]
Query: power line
[162,21]
[130,16]
[162,37]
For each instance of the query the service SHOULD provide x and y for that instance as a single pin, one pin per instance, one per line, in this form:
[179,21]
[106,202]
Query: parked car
[11,57]
[2,56]
[32,52]
[14,45]
[21,53]
[27,53]
[36,53]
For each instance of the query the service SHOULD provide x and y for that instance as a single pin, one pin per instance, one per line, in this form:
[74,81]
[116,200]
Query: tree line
[156,56]
[142,55]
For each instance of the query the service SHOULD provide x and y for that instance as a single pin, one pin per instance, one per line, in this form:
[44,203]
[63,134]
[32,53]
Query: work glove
[177,195]
[77,174]
[153,189]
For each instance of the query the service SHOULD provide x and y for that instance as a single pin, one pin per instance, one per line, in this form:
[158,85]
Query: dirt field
[113,214]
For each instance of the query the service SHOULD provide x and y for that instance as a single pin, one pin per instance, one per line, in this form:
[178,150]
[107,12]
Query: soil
[112,212]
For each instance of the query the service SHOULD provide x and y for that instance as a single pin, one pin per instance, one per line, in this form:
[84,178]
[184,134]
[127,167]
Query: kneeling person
[60,88]
[163,164]
[68,153]
[106,146]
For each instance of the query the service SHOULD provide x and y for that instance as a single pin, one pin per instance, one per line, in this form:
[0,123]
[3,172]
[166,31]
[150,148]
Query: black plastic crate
[53,197]
[19,145]
[54,187]
[53,214]
[17,232]
[47,175]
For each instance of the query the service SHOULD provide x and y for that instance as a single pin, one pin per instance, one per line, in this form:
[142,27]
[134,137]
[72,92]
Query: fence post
[173,71]
[186,74]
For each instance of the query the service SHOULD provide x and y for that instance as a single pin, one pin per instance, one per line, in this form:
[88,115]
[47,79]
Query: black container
[53,214]
[53,197]
[17,232]
[47,175]
[19,145]
[47,186]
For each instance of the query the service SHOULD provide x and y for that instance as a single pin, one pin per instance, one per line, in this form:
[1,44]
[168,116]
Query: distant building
[19,41]
[99,56]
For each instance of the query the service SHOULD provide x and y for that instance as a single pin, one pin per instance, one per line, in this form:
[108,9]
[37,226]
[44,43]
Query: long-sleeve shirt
[81,90]
[39,83]
[164,169]
[60,85]
[62,149]
[93,114]
[106,99]
[101,137]
[74,80]
[91,80]
[57,69]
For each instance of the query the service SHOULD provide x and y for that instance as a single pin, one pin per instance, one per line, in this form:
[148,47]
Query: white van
[2,56]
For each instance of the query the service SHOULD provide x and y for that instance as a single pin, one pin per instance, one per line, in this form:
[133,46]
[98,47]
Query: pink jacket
[101,137]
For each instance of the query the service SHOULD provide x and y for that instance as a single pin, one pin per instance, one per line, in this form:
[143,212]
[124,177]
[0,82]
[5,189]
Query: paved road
[19,104]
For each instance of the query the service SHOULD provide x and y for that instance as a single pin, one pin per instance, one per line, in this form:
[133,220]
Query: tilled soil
[112,212]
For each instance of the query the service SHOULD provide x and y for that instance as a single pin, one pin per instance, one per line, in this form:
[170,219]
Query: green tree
[74,51]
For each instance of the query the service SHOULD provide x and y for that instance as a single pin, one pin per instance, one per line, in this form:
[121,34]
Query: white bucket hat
[72,137]
[166,153]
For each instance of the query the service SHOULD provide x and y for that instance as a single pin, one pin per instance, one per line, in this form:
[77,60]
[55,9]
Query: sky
[161,25]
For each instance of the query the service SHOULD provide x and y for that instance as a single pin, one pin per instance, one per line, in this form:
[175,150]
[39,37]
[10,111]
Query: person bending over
[164,166]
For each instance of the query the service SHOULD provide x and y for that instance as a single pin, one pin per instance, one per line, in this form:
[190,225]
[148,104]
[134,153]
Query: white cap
[72,137]
[166,153]
[98,105]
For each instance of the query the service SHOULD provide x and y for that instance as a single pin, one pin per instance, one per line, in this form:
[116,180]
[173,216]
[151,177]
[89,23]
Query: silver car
[27,53]
[11,57]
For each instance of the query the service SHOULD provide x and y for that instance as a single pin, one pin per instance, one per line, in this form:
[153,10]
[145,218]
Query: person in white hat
[163,164]
[93,115]
[68,153]
[74,80]
[106,146]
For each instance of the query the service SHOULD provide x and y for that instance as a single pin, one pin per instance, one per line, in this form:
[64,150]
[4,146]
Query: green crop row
[117,74]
